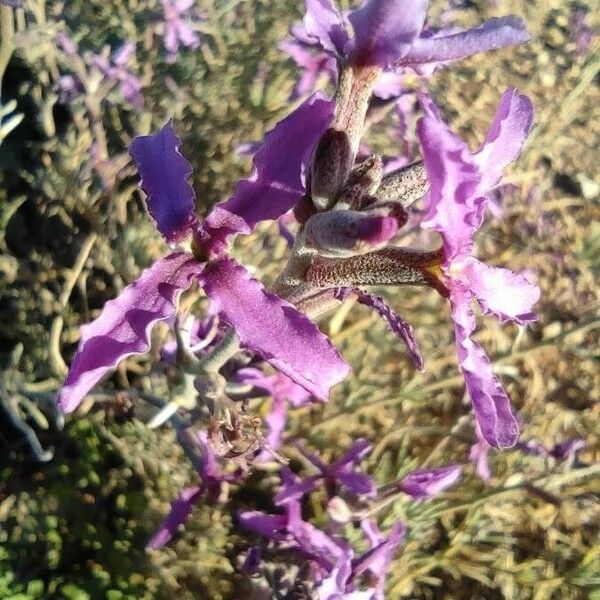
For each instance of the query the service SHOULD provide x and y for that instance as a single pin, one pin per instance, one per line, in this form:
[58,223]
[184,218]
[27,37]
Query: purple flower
[561,451]
[426,484]
[115,69]
[212,481]
[282,390]
[177,30]
[377,561]
[69,88]
[263,322]
[12,3]
[582,33]
[390,34]
[459,183]
[340,472]
[315,544]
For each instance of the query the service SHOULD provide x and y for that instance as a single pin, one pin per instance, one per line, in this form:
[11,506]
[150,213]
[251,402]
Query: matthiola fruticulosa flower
[460,181]
[341,472]
[261,321]
[389,34]
[177,30]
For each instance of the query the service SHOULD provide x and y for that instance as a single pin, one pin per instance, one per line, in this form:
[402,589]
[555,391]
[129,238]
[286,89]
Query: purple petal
[324,24]
[295,489]
[359,450]
[566,450]
[359,483]
[501,292]
[396,323]
[478,455]
[313,541]
[273,328]
[378,559]
[503,143]
[271,526]
[276,421]
[493,34]
[428,483]
[180,511]
[12,3]
[131,89]
[491,404]
[277,182]
[384,30]
[123,328]
[164,173]
[124,54]
[454,209]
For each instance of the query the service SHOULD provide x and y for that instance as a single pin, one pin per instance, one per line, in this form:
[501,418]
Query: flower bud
[345,232]
[331,166]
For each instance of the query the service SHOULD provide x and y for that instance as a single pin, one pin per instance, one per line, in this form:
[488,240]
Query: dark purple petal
[324,25]
[491,404]
[384,30]
[396,323]
[493,34]
[273,328]
[271,526]
[180,511]
[123,328]
[358,483]
[359,450]
[277,182]
[428,483]
[164,176]
[317,544]
[568,449]
[378,559]
[296,489]
[503,143]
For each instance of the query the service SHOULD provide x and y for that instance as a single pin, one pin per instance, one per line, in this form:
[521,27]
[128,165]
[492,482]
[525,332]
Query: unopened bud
[331,166]
[346,232]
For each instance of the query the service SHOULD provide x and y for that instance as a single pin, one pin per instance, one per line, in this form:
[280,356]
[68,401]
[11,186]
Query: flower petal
[428,483]
[503,143]
[123,328]
[454,209]
[163,173]
[507,295]
[273,328]
[384,30]
[493,34]
[324,24]
[180,511]
[277,182]
[396,323]
[491,404]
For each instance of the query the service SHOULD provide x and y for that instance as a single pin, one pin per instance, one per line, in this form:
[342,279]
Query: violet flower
[377,561]
[390,34]
[561,451]
[177,30]
[459,183]
[263,322]
[116,69]
[211,484]
[312,542]
[341,472]
[282,390]
[426,484]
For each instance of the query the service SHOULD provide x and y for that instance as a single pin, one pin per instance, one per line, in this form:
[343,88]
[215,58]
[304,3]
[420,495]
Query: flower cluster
[347,216]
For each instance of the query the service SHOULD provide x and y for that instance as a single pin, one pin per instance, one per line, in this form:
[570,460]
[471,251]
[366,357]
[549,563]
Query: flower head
[263,322]
[177,29]
[457,201]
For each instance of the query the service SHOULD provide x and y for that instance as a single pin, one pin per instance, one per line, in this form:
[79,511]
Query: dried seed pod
[391,266]
[404,185]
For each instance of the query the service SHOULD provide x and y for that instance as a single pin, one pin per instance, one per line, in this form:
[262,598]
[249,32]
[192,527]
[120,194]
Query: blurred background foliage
[73,231]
